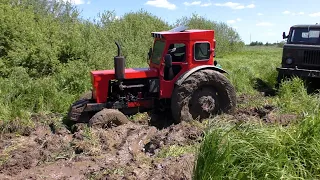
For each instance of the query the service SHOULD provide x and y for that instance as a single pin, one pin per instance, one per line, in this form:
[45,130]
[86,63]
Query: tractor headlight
[289,61]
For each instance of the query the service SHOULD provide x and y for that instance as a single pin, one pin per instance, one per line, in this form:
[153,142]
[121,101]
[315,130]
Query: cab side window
[180,54]
[202,51]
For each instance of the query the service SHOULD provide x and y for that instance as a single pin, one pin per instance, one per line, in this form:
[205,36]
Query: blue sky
[263,20]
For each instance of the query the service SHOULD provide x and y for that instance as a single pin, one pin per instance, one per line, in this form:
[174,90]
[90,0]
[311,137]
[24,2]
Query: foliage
[257,151]
[251,150]
[227,39]
[47,52]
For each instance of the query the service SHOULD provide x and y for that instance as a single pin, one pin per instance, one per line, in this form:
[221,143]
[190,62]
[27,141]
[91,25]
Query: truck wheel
[108,118]
[202,94]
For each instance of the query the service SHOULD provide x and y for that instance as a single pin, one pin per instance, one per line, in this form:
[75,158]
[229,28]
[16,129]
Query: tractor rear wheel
[108,118]
[201,95]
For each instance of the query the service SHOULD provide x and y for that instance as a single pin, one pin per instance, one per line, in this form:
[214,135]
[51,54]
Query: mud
[131,151]
[125,152]
[267,113]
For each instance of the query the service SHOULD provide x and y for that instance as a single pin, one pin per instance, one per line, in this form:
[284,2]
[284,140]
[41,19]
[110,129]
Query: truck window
[202,51]
[305,36]
[180,53]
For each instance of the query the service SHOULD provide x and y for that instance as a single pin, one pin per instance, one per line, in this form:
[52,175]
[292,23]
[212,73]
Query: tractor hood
[101,79]
[131,73]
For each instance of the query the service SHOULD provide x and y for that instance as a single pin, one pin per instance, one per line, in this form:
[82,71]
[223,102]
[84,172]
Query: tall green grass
[260,151]
[250,64]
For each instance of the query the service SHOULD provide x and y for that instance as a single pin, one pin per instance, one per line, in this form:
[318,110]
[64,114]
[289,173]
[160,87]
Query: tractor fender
[185,75]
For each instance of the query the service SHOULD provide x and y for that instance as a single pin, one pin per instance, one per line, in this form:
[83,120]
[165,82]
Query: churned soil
[131,151]
[125,152]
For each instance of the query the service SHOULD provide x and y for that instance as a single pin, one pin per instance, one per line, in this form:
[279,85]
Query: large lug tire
[203,94]
[108,118]
[85,116]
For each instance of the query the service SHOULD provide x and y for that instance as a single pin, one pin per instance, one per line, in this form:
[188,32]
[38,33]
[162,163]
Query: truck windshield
[305,36]
[157,51]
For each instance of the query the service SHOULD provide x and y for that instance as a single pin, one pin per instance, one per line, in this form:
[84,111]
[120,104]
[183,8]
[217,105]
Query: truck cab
[301,53]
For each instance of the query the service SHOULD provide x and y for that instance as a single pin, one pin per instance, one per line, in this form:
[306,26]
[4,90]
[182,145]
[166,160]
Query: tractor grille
[311,57]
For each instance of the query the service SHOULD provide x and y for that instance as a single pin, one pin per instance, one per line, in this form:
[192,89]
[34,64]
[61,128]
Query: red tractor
[182,80]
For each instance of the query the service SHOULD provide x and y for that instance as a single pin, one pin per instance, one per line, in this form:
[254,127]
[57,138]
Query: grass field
[255,149]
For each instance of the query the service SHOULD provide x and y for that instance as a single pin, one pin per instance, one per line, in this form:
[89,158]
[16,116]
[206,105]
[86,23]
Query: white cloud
[206,4]
[197,3]
[315,14]
[234,21]
[192,3]
[286,12]
[161,4]
[292,13]
[264,24]
[233,5]
[251,6]
[260,14]
[231,21]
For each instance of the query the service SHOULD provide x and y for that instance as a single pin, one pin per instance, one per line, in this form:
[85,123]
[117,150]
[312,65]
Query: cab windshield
[305,36]
[157,51]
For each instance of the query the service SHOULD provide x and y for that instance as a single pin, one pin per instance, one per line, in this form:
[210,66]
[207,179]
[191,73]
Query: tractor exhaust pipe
[119,65]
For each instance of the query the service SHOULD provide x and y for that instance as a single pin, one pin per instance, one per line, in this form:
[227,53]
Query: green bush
[227,39]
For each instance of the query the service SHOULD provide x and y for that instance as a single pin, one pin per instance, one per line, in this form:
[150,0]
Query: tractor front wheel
[108,118]
[203,94]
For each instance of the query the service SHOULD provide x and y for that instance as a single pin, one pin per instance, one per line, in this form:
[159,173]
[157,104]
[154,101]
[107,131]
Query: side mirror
[149,53]
[212,51]
[284,35]
[168,60]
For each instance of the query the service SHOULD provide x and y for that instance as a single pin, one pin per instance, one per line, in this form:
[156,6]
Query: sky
[254,20]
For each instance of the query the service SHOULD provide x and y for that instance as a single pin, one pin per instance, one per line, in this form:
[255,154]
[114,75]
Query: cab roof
[306,26]
[181,33]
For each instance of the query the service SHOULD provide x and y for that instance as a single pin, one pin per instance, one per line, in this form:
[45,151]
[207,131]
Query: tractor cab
[178,50]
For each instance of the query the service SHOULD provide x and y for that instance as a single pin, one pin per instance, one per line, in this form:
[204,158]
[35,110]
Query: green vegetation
[255,150]
[176,150]
[47,52]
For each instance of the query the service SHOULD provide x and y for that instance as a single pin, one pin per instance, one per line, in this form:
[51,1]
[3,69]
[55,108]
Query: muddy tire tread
[183,93]
[107,118]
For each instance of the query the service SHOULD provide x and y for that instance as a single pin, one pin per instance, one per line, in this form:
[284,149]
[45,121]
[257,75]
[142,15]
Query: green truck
[301,53]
